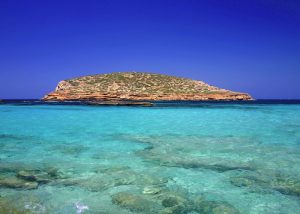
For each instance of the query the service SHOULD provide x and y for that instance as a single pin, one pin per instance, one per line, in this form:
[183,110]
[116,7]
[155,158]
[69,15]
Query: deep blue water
[195,157]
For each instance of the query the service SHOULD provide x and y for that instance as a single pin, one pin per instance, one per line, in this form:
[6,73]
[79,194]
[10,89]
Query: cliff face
[138,86]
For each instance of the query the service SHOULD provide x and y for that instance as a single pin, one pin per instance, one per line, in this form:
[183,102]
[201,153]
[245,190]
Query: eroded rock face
[137,86]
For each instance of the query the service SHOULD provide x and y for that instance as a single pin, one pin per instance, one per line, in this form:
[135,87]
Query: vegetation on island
[139,86]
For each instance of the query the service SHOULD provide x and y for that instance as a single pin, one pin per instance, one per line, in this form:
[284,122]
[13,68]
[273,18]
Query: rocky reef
[19,177]
[153,189]
[128,190]
[259,182]
[122,87]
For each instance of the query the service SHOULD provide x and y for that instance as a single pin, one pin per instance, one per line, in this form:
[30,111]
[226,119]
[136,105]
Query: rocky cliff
[137,86]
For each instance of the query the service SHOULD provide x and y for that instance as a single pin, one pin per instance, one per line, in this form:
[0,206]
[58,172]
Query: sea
[173,157]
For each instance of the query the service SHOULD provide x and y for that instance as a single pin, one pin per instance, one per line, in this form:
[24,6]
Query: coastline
[151,104]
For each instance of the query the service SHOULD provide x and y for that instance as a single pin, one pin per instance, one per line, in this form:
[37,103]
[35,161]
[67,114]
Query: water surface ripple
[207,158]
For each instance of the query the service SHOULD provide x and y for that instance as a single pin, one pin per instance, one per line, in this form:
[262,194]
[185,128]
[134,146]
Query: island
[138,88]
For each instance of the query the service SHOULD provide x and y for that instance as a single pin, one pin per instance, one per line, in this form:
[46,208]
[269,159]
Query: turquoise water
[218,158]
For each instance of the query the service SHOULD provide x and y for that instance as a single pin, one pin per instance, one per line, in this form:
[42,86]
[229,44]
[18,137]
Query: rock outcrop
[137,86]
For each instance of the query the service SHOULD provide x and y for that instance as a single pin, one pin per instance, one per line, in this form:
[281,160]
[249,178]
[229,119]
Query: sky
[243,45]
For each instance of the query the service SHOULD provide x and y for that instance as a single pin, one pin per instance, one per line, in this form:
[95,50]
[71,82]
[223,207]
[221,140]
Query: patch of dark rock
[70,149]
[149,147]
[27,176]
[38,176]
[20,177]
[54,172]
[42,176]
[111,169]
[14,137]
[197,164]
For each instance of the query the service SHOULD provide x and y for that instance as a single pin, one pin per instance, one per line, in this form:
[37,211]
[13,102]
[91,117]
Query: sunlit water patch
[229,158]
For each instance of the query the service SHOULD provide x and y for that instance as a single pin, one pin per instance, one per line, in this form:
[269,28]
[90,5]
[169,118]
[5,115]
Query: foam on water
[234,158]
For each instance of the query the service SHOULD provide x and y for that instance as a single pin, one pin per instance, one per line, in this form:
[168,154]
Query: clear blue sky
[244,45]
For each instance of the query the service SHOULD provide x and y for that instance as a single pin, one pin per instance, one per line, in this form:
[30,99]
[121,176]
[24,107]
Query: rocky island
[138,88]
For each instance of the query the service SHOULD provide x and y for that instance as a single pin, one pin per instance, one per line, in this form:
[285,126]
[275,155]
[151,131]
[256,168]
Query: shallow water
[213,158]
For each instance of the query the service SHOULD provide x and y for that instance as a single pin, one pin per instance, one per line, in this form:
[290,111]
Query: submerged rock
[183,155]
[112,169]
[174,210]
[174,202]
[287,186]
[71,150]
[22,203]
[13,167]
[54,173]
[17,183]
[91,184]
[151,190]
[105,177]
[190,164]
[27,175]
[204,206]
[151,180]
[224,209]
[41,178]
[248,181]
[7,207]
[278,182]
[97,182]
[135,203]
